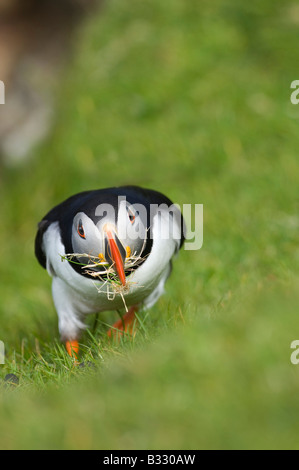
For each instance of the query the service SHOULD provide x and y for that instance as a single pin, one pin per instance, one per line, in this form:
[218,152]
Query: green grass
[191,98]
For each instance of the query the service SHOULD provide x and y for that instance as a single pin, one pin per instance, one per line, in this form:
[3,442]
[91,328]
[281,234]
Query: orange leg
[124,324]
[72,348]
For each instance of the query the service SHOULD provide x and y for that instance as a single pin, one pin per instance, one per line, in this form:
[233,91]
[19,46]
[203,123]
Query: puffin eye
[80,229]
[132,217]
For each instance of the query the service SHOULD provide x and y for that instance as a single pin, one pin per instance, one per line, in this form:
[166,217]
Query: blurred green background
[191,98]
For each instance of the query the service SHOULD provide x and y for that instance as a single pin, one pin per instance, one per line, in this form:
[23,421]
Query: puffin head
[110,235]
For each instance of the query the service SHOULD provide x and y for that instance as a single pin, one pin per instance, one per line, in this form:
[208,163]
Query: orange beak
[115,255]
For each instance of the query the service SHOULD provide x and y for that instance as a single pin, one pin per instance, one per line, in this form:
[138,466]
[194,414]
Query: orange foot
[123,325]
[72,348]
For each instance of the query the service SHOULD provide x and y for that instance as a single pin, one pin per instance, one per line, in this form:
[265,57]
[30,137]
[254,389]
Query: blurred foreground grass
[190,98]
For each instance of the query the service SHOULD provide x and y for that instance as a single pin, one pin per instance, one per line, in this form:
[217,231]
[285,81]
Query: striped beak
[115,253]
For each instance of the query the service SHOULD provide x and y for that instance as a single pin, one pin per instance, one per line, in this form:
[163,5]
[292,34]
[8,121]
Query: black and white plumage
[137,245]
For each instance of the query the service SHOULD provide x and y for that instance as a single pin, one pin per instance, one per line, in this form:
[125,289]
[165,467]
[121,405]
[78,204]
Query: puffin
[108,249]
